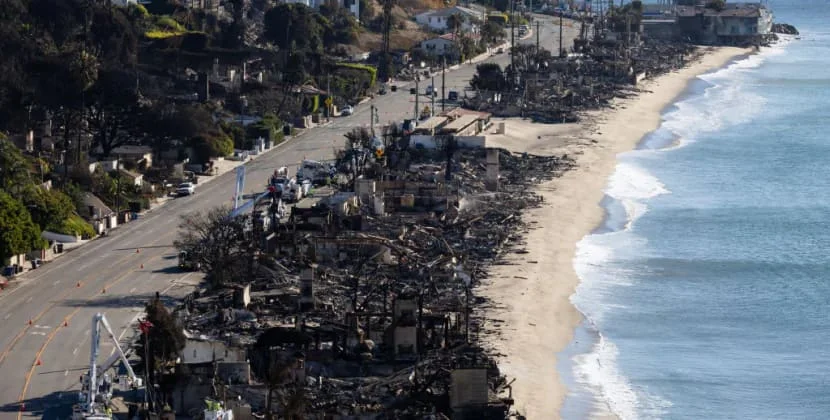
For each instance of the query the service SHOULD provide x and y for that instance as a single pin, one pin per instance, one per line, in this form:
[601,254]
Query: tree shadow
[173,269]
[119,301]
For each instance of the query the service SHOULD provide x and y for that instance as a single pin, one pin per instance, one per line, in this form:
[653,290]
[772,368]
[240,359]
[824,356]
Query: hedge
[365,67]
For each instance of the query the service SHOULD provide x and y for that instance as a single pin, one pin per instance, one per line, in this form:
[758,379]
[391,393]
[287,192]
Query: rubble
[362,301]
[557,89]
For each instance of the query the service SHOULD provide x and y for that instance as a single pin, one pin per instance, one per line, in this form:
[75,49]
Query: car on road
[430,90]
[500,50]
[452,96]
[347,110]
[185,188]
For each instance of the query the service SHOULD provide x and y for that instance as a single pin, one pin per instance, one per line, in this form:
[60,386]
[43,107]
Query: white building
[442,45]
[437,19]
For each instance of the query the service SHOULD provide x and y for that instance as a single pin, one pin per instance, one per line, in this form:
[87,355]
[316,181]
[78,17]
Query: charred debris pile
[361,299]
[556,89]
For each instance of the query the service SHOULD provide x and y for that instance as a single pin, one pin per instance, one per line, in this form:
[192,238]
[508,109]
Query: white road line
[132,290]
[37,333]
[65,373]
[56,282]
[75,351]
[29,299]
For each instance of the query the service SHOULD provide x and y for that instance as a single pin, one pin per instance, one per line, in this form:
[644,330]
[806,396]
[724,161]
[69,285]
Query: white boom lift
[96,388]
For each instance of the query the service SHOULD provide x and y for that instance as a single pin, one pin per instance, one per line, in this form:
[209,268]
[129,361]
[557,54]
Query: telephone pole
[417,93]
[432,95]
[561,51]
[443,81]
[537,36]
[512,33]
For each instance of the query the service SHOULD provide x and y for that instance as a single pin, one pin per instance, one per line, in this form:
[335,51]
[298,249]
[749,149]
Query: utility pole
[561,51]
[512,33]
[537,36]
[443,81]
[372,112]
[417,93]
[432,96]
[117,188]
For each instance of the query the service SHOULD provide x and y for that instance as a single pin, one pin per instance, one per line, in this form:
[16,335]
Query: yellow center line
[52,335]
[63,295]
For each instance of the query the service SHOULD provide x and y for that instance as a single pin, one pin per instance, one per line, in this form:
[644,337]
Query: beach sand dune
[531,318]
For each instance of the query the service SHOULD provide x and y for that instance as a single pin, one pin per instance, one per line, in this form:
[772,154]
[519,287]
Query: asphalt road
[45,321]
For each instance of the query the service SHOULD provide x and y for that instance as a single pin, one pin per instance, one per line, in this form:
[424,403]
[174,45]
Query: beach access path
[530,299]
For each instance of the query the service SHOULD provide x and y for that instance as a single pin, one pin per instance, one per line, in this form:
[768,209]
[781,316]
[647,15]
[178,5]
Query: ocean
[706,290]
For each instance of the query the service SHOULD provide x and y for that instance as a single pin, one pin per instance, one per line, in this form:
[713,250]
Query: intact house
[437,20]
[353,6]
[447,45]
[140,156]
[736,24]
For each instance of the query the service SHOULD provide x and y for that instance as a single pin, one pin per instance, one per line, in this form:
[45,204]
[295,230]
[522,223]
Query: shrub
[76,226]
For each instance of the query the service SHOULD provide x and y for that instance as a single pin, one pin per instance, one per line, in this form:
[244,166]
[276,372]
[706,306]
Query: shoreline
[530,319]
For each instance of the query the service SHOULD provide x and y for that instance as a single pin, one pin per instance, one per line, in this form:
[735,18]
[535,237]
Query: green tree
[18,234]
[49,209]
[492,32]
[454,23]
[489,76]
[717,5]
[165,338]
[293,26]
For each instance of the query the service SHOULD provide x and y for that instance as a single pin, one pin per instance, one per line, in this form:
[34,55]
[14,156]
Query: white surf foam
[725,102]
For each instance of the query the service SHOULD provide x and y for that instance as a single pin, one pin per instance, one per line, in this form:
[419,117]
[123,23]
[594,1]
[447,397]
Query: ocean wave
[720,100]
[599,371]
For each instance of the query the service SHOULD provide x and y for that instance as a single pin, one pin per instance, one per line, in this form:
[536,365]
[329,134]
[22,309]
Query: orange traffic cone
[142,266]
[78,284]
[38,362]
[65,323]
[30,322]
[137,250]
[104,290]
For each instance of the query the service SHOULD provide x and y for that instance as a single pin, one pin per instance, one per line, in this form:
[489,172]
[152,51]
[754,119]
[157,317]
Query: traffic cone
[137,250]
[142,266]
[30,322]
[38,362]
[104,290]
[78,284]
[65,323]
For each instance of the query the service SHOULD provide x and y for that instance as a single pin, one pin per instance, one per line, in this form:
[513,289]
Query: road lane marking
[75,351]
[56,282]
[66,319]
[29,299]
[132,290]
[65,373]
[61,297]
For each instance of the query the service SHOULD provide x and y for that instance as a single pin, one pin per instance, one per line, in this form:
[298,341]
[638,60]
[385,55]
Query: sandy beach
[531,317]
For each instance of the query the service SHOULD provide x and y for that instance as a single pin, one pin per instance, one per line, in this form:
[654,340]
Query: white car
[347,110]
[185,188]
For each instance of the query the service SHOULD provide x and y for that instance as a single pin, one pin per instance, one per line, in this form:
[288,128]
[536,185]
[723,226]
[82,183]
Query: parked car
[500,51]
[185,188]
[430,90]
[452,96]
[347,110]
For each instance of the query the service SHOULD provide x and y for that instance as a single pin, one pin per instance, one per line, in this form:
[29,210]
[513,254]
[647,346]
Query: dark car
[452,96]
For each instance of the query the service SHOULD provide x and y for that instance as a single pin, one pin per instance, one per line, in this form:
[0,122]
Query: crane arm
[119,351]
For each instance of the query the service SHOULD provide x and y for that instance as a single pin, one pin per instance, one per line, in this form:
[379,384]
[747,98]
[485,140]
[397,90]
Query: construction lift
[96,389]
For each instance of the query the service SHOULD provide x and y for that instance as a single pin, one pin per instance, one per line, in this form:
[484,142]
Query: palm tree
[454,23]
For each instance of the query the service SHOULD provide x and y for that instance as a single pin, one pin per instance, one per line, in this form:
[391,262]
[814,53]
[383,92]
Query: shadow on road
[143,247]
[173,269]
[118,301]
[57,405]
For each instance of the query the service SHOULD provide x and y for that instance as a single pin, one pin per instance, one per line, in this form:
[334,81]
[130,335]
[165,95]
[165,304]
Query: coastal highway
[45,319]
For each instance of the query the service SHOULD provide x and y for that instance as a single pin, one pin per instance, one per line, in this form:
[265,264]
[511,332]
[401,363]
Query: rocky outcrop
[784,28]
